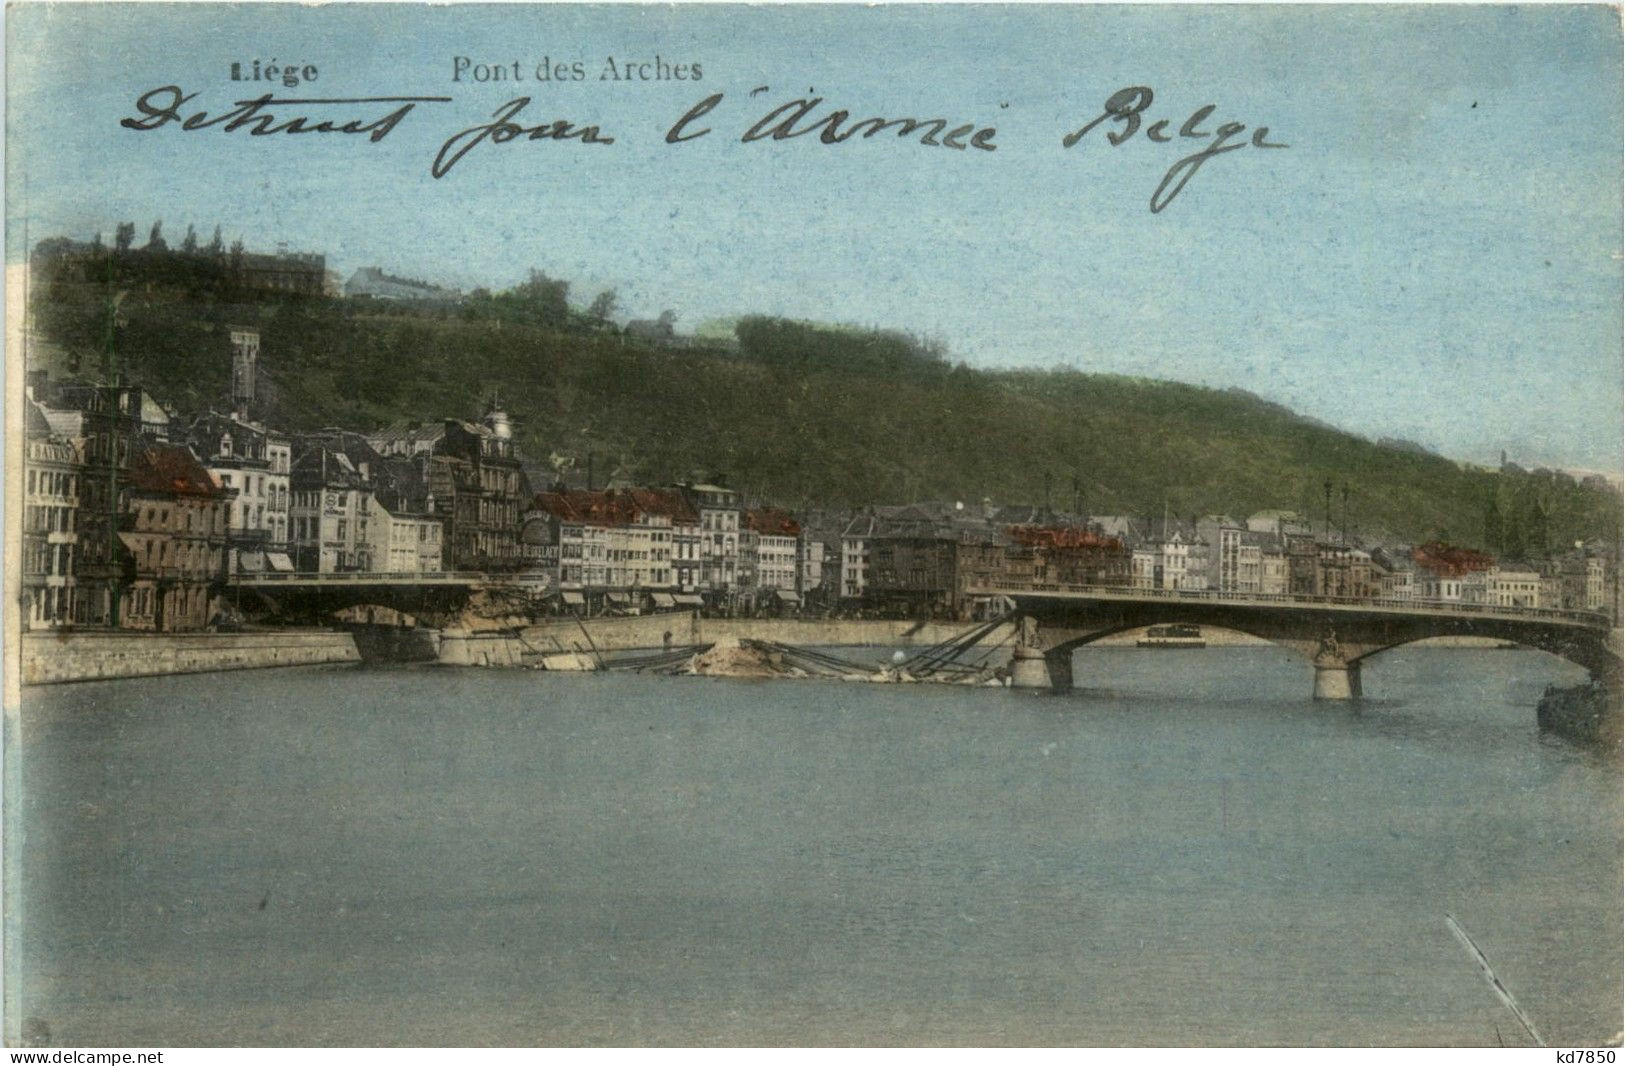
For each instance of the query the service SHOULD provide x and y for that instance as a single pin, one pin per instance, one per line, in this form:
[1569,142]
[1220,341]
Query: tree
[603,306]
[189,242]
[155,239]
[216,245]
[124,236]
[542,299]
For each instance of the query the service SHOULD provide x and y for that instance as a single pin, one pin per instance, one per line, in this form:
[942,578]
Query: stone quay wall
[49,657]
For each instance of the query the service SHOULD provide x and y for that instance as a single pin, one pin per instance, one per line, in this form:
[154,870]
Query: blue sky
[1435,257]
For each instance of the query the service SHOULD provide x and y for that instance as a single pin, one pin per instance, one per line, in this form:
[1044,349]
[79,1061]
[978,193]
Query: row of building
[932,557]
[134,516]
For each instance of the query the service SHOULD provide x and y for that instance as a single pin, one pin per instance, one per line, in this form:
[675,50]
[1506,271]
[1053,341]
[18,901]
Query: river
[1186,850]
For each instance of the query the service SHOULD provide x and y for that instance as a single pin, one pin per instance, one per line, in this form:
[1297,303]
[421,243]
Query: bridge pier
[1034,668]
[1337,674]
[1337,682]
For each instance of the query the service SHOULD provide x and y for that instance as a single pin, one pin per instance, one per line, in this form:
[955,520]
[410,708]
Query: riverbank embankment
[55,656]
[1588,714]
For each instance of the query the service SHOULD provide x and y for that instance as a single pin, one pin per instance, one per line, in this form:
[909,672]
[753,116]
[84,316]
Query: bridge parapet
[1590,619]
[1336,634]
[283,579]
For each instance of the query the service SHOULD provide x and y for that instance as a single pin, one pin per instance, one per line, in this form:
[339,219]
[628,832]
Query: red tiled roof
[1062,537]
[1446,560]
[772,521]
[171,470]
[615,507]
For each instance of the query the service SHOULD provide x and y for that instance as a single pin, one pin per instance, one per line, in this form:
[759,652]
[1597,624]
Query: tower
[496,420]
[245,357]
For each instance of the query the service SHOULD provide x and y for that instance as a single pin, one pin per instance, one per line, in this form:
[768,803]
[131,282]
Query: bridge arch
[1062,641]
[1570,652]
[1335,636]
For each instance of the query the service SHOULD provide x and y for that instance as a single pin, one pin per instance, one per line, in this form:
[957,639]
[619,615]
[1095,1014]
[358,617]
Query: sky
[1435,256]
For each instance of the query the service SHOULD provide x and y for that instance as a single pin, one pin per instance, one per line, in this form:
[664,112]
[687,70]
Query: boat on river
[1180,635]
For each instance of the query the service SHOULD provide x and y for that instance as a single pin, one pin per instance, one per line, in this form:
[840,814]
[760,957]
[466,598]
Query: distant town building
[373,283]
[304,273]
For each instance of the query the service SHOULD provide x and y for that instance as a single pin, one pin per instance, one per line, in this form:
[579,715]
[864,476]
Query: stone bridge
[1336,635]
[430,595]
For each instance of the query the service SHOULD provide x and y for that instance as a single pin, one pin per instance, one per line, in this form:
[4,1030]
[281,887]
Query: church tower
[245,357]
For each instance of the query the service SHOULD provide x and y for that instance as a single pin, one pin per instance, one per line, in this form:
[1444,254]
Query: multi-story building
[330,513]
[279,501]
[1589,576]
[769,549]
[108,425]
[1398,571]
[50,526]
[926,564]
[718,509]
[476,481]
[304,273]
[1066,555]
[1273,577]
[1513,587]
[1143,572]
[614,548]
[1448,574]
[1179,555]
[1345,571]
[1235,558]
[402,542]
[238,454]
[687,561]
[854,559]
[810,568]
[172,541]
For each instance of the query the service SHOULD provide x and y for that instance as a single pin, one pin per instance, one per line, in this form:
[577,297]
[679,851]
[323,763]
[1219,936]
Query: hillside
[802,415]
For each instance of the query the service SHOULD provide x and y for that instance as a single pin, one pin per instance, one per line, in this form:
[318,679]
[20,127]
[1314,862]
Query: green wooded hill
[800,414]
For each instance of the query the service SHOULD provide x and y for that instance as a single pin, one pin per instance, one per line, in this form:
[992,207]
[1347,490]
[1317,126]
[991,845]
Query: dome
[496,420]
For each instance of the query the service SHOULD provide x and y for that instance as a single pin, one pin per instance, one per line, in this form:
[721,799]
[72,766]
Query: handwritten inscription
[161,106]
[1126,106]
[807,116]
[809,119]
[502,129]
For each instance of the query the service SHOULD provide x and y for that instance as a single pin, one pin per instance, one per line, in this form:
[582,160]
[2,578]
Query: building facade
[172,541]
[330,513]
[50,526]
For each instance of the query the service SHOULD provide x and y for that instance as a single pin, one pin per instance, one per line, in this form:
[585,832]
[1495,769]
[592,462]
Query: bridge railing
[387,577]
[1431,606]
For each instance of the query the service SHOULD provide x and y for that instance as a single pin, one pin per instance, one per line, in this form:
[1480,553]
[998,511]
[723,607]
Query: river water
[1187,850]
